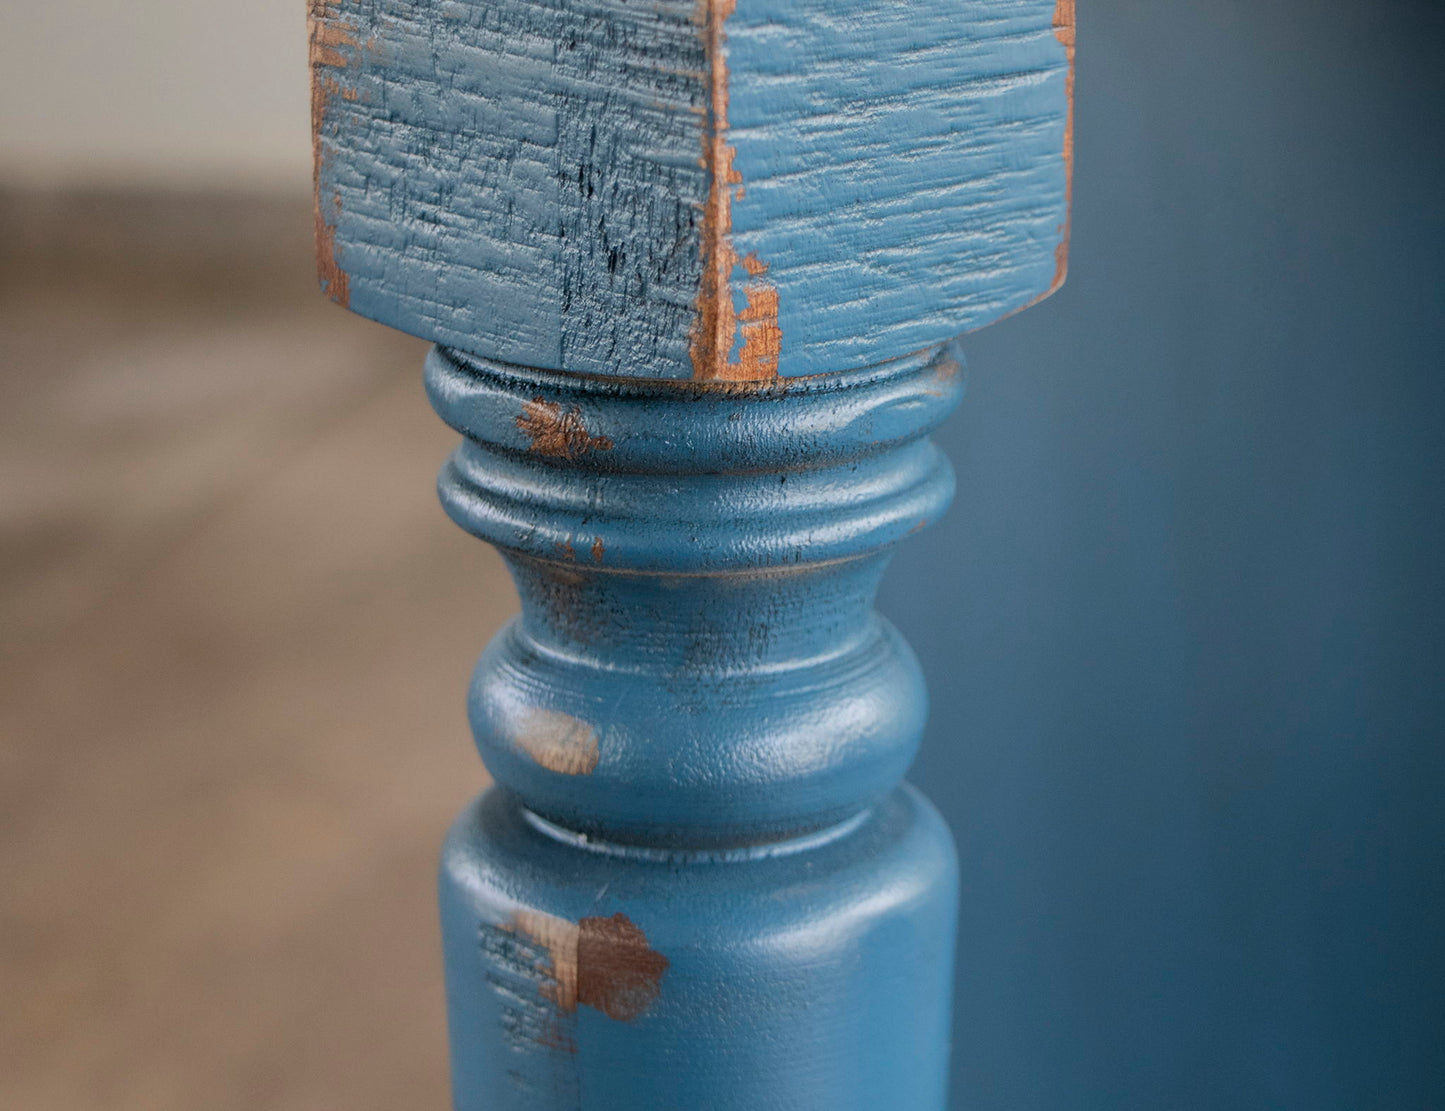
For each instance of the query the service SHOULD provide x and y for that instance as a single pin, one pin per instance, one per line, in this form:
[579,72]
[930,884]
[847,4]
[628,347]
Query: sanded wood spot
[558,742]
[603,963]
[558,937]
[556,432]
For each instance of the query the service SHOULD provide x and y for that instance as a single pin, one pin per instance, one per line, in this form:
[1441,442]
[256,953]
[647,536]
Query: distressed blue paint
[902,167]
[520,179]
[711,570]
[526,181]
[697,572]
[699,882]
[816,980]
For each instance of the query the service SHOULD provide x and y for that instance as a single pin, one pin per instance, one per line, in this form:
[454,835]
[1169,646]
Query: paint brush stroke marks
[717,189]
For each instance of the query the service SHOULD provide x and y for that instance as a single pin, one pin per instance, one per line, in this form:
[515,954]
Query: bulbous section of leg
[809,975]
[698,710]
[698,663]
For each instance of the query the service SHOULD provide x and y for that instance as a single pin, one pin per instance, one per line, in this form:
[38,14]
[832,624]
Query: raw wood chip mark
[719,326]
[330,39]
[558,742]
[1064,31]
[556,433]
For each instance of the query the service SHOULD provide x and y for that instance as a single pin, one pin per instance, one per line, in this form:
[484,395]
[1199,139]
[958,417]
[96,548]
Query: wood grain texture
[522,179]
[713,189]
[901,167]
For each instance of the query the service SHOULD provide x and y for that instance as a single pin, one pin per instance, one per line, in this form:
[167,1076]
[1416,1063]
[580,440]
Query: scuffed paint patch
[558,742]
[558,937]
[330,39]
[947,368]
[603,963]
[556,433]
[719,326]
[759,334]
[618,972]
[521,959]
[1065,32]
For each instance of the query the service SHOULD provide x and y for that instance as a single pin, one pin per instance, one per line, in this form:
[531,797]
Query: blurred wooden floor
[235,636]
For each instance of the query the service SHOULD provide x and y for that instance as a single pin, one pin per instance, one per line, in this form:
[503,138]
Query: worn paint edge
[557,433]
[329,37]
[719,326]
[558,742]
[603,963]
[1065,30]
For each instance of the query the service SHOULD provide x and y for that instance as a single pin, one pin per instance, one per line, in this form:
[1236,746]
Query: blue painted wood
[733,189]
[699,882]
[696,573]
[811,979]
[696,266]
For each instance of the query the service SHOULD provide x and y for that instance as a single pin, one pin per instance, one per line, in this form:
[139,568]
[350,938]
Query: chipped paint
[603,963]
[644,234]
[599,550]
[558,742]
[523,973]
[760,336]
[556,433]
[719,326]
[1065,32]
[330,39]
[559,938]
[618,972]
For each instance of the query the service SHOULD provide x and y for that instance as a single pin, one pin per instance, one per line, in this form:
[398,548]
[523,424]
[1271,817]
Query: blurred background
[1185,625]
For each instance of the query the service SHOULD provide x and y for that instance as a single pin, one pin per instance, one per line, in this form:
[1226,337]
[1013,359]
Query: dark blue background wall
[1185,624]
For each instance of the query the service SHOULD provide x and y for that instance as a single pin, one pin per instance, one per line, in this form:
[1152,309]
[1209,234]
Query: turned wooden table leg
[695,268]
